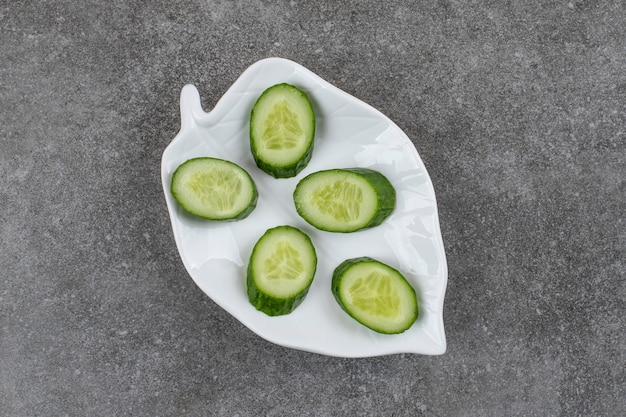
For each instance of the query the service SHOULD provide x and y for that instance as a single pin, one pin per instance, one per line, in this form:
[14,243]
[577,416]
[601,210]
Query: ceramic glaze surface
[349,133]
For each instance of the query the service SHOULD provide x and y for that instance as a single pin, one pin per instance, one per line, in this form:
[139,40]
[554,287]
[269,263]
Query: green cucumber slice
[281,269]
[214,189]
[375,294]
[344,200]
[282,127]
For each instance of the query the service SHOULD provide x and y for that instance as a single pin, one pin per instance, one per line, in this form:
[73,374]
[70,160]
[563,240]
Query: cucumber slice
[344,200]
[281,270]
[375,294]
[214,189]
[282,126]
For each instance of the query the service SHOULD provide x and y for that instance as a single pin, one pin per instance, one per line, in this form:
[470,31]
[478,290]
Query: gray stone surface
[518,110]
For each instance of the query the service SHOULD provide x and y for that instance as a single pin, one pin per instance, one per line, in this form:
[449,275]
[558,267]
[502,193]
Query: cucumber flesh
[214,189]
[280,271]
[344,200]
[282,127]
[375,294]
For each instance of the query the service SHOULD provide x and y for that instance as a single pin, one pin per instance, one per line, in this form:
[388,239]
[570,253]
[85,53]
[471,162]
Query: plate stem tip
[190,106]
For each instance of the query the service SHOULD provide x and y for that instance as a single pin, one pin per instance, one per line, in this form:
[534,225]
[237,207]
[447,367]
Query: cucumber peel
[280,271]
[375,294]
[214,189]
[282,128]
[344,200]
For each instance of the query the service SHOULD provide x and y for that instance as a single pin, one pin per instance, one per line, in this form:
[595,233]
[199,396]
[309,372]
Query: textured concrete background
[518,111]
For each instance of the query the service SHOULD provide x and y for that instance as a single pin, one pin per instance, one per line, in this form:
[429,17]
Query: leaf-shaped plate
[349,133]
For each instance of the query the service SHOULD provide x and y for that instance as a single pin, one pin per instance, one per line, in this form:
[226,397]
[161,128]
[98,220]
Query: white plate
[349,133]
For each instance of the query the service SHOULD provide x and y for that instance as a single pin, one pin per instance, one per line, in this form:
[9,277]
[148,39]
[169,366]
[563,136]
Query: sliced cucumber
[281,270]
[344,200]
[375,294]
[214,189]
[282,126]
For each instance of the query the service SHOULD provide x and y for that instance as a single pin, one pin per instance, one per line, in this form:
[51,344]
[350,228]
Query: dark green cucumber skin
[386,198]
[386,195]
[336,282]
[240,216]
[270,305]
[336,279]
[287,171]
